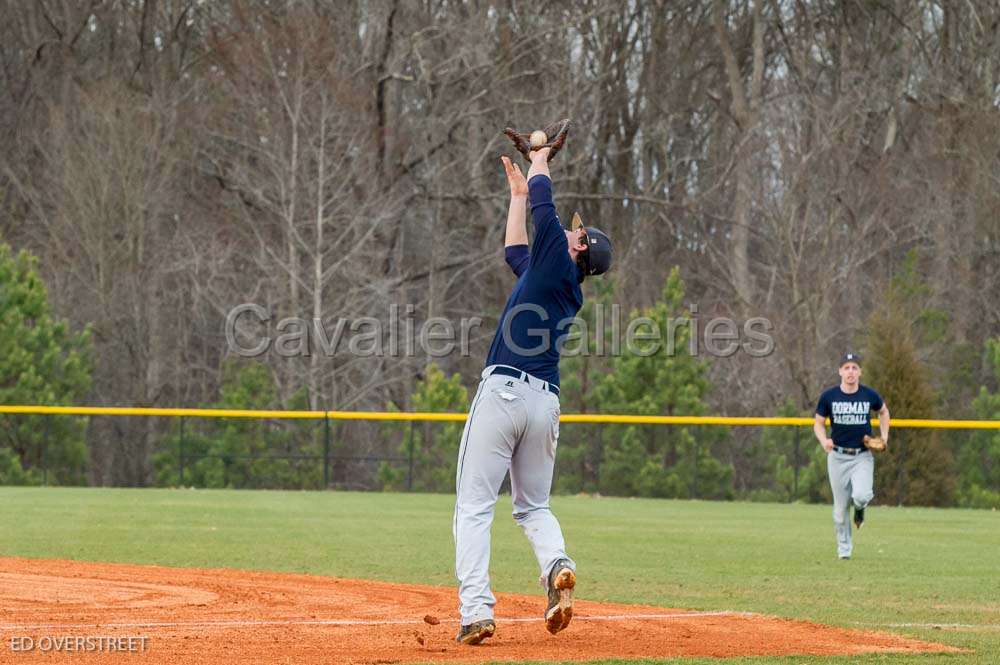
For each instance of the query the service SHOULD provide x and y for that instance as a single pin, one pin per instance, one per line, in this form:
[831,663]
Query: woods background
[833,166]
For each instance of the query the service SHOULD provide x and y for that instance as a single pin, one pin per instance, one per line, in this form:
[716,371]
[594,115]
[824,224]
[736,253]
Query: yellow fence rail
[735,421]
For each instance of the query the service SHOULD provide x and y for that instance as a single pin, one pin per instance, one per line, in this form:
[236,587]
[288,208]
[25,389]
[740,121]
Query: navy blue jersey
[849,414]
[546,297]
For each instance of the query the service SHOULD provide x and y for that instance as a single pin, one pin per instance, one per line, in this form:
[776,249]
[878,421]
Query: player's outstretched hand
[516,180]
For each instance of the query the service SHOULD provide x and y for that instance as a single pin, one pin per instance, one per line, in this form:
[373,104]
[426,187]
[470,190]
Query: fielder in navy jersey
[513,422]
[850,464]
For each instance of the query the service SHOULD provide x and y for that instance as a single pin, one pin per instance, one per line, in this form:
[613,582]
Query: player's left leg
[531,481]
[531,484]
[862,486]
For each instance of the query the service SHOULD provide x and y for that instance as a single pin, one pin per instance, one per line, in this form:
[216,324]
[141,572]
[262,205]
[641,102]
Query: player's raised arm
[517,232]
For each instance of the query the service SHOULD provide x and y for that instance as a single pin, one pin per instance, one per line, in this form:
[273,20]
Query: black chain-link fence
[777,463]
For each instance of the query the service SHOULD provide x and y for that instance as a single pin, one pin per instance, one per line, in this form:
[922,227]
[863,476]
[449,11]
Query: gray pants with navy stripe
[513,424]
[851,479]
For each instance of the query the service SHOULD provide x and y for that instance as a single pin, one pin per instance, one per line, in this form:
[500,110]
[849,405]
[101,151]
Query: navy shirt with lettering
[849,414]
[546,297]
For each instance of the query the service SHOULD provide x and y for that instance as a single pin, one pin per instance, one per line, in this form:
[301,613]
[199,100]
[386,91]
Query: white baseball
[538,138]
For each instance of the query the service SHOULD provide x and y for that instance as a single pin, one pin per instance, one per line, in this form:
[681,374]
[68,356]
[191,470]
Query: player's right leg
[491,433]
[531,484]
[840,486]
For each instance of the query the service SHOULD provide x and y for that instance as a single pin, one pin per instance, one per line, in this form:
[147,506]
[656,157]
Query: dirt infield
[50,611]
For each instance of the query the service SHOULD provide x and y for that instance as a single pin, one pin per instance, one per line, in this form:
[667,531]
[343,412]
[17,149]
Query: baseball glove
[874,443]
[555,135]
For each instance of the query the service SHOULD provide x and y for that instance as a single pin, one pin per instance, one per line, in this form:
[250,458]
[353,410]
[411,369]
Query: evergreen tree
[917,469]
[585,361]
[661,379]
[979,457]
[42,363]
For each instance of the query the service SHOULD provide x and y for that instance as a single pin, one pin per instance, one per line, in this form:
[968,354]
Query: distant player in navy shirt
[514,419]
[850,464]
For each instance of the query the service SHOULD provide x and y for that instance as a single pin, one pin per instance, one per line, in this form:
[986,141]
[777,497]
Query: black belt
[849,451]
[518,374]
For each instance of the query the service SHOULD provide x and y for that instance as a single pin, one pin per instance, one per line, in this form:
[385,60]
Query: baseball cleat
[562,579]
[859,517]
[476,632]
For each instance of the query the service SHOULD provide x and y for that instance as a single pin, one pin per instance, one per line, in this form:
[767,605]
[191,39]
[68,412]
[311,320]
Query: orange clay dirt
[230,616]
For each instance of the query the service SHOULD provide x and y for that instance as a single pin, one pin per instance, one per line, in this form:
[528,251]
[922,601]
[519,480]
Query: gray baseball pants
[851,479]
[513,424]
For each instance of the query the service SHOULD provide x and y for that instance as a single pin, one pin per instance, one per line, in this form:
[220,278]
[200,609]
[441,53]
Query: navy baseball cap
[597,259]
[598,256]
[850,357]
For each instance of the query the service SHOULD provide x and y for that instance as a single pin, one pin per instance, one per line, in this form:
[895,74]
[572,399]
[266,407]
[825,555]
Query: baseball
[538,138]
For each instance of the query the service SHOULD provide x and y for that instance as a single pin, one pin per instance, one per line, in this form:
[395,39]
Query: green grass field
[911,565]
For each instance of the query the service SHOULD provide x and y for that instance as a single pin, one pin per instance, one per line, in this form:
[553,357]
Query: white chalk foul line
[241,623]
[247,623]
[988,626]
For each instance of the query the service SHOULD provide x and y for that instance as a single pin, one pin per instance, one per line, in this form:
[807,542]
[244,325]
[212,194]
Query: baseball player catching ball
[849,447]
[513,422]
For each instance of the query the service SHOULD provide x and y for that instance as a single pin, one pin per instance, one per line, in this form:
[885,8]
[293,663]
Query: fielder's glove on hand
[874,443]
[555,137]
